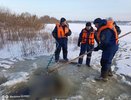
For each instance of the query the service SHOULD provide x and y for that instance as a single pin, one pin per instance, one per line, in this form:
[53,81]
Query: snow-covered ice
[123,56]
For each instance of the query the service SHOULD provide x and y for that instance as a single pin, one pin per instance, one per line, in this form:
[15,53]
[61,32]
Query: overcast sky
[72,9]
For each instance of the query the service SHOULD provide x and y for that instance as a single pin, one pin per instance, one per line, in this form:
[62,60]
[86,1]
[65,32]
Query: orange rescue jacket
[61,32]
[110,26]
[87,39]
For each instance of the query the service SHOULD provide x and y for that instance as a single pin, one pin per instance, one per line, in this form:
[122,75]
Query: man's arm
[79,39]
[69,33]
[54,33]
[95,36]
[118,29]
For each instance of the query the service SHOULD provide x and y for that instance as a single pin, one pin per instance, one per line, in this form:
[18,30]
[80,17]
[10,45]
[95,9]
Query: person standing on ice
[110,20]
[108,42]
[86,43]
[61,33]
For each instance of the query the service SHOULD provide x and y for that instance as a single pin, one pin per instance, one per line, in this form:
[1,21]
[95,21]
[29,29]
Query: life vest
[61,33]
[110,26]
[87,37]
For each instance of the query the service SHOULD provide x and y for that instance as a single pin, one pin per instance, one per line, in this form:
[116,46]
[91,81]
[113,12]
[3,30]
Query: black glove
[97,48]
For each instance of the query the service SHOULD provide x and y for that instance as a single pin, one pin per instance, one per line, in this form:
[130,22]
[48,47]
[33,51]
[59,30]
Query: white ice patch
[91,78]
[125,29]
[113,67]
[99,91]
[5,66]
[123,80]
[13,59]
[29,58]
[34,65]
[123,97]
[16,78]
[102,98]
[124,67]
[6,62]
[78,97]
[11,51]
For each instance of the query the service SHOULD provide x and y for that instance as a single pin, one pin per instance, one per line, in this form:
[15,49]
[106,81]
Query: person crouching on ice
[61,33]
[86,43]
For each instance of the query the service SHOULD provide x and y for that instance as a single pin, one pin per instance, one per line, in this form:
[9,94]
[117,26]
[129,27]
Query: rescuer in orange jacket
[61,33]
[107,37]
[86,42]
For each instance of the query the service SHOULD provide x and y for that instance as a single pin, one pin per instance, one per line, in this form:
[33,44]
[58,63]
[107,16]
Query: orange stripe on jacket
[86,39]
[61,32]
[111,26]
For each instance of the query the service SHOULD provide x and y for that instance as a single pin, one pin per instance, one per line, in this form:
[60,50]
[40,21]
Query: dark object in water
[3,79]
[45,84]
[42,85]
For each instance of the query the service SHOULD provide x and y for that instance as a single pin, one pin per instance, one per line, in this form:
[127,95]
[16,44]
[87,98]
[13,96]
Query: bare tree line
[15,27]
[47,19]
[23,28]
[27,30]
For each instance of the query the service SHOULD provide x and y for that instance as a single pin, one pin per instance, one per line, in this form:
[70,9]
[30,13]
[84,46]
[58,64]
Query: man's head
[97,21]
[110,19]
[88,25]
[63,21]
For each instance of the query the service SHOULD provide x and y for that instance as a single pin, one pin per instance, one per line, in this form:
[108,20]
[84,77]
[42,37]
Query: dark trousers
[107,56]
[85,48]
[61,44]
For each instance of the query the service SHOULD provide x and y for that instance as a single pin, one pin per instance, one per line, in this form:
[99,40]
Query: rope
[62,65]
[52,56]
[124,34]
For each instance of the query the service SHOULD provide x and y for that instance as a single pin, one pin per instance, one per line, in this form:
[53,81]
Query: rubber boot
[103,76]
